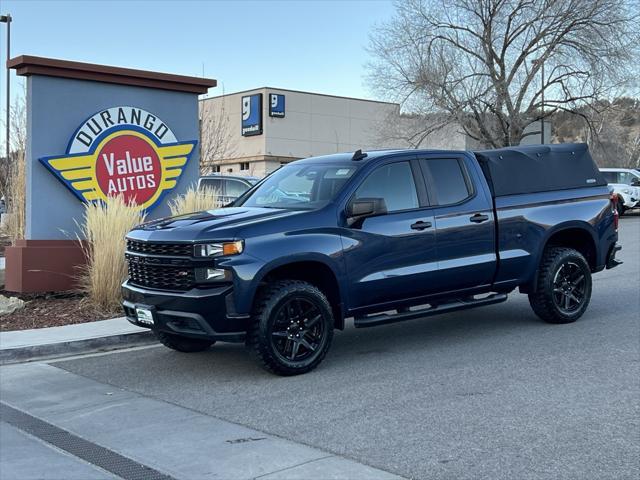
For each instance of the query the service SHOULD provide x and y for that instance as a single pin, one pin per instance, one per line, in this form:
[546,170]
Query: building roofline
[299,91]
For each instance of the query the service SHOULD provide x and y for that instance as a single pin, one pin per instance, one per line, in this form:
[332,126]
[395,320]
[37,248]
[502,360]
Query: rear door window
[610,177]
[449,182]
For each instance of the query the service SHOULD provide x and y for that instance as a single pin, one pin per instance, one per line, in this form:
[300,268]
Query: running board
[460,304]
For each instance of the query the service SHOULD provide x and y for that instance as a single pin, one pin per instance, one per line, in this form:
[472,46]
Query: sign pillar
[95,131]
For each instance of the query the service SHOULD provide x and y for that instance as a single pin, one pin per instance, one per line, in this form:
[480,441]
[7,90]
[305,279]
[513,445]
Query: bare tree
[216,139]
[14,172]
[481,61]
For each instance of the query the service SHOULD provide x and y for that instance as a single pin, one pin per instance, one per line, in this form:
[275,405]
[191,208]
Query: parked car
[382,237]
[228,187]
[626,186]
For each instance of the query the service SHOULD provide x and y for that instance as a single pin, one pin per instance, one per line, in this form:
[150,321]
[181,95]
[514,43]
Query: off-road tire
[259,336]
[183,344]
[542,300]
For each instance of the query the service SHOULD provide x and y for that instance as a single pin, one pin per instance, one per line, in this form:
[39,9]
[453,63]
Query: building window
[216,169]
[244,166]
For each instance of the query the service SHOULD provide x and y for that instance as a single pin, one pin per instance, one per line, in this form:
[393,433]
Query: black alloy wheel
[563,287]
[291,327]
[297,330]
[569,285]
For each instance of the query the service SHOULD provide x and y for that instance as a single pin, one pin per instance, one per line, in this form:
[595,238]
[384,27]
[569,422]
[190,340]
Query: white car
[625,183]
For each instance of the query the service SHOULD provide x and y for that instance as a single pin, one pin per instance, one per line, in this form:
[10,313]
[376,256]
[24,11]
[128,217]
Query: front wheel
[620,207]
[563,289]
[291,327]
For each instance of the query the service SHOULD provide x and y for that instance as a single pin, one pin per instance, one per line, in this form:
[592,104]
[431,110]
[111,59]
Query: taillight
[614,205]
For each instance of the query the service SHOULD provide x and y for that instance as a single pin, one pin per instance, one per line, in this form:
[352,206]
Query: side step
[460,304]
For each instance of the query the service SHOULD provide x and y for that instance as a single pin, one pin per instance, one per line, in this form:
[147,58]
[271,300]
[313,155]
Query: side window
[235,188]
[393,182]
[610,177]
[213,183]
[448,180]
[625,177]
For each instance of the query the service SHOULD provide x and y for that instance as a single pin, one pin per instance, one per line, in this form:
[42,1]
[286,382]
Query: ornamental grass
[195,200]
[104,229]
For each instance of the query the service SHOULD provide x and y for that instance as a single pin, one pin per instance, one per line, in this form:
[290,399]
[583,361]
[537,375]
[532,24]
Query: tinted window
[449,183]
[394,183]
[610,177]
[236,188]
[214,183]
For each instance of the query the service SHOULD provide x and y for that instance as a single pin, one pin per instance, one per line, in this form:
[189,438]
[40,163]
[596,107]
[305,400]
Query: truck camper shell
[539,168]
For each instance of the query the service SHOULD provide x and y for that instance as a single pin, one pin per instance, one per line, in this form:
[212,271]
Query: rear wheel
[563,290]
[291,327]
[182,344]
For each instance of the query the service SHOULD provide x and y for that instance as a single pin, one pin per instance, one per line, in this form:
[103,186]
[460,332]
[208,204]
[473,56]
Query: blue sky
[305,45]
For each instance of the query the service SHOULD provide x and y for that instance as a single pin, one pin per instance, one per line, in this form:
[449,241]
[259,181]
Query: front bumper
[205,313]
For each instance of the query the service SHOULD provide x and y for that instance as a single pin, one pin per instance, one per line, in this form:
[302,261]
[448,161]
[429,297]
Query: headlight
[219,249]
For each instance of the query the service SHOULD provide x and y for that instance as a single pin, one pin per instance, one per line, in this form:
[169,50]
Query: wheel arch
[315,270]
[578,235]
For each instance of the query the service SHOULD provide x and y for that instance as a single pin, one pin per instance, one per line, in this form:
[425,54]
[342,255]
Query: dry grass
[105,226]
[195,200]
[16,200]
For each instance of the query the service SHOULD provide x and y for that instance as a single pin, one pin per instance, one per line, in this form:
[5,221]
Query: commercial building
[256,131]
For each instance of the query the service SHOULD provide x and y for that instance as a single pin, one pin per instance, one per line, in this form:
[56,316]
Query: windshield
[304,187]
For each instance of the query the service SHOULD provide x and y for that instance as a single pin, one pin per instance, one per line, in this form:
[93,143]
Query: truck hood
[208,225]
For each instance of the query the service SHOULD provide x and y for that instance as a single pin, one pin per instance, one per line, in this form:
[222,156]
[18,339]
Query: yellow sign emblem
[122,151]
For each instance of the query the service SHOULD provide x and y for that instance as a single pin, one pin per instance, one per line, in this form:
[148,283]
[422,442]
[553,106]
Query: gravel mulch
[51,310]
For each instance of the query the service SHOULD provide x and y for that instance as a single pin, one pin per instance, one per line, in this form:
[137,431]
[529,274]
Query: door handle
[479,218]
[420,225]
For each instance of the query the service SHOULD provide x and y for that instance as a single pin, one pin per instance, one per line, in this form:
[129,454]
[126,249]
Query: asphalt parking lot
[486,393]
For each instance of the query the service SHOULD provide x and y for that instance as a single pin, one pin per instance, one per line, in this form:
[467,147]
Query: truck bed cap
[539,168]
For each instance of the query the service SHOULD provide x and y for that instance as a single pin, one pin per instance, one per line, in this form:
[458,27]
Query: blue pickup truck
[382,237]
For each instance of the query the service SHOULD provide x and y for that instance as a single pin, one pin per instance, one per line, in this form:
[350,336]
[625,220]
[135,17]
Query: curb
[29,353]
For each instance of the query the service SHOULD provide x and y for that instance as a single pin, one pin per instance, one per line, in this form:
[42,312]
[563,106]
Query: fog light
[214,274]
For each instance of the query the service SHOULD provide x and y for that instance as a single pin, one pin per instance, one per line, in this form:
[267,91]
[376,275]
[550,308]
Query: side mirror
[362,208]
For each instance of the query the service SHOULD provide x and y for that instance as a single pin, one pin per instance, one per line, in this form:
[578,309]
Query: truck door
[391,256]
[464,222]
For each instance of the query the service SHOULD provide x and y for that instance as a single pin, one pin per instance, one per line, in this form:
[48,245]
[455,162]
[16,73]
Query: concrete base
[43,265]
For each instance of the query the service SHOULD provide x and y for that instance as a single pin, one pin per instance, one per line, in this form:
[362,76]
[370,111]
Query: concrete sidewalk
[123,433]
[39,343]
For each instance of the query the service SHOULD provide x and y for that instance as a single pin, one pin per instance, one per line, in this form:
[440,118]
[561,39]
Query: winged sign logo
[122,151]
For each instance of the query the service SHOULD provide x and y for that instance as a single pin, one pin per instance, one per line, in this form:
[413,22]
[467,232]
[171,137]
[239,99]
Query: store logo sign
[276,105]
[122,151]
[252,115]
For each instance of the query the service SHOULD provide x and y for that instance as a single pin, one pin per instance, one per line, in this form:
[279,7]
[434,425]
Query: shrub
[195,200]
[105,227]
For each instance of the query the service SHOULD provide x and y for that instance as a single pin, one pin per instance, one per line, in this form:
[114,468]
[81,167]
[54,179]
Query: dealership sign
[122,151]
[252,115]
